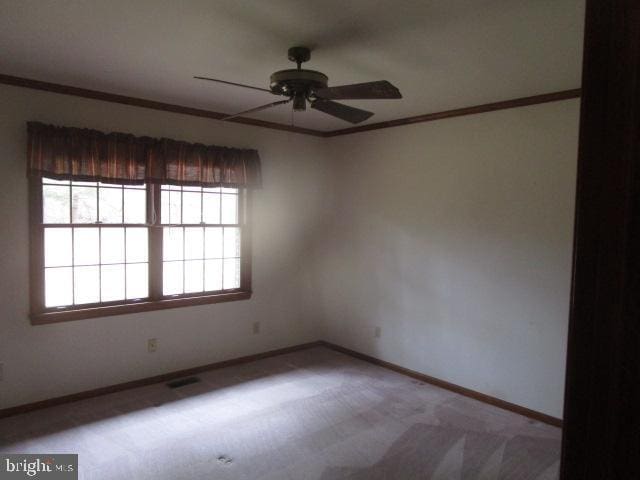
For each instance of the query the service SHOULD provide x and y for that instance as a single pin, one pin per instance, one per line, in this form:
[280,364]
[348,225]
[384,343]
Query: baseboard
[541,417]
[496,402]
[74,397]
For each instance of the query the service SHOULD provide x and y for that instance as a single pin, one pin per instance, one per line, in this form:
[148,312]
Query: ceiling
[441,54]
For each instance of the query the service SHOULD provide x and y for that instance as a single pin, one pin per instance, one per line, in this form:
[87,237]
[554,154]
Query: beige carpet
[313,414]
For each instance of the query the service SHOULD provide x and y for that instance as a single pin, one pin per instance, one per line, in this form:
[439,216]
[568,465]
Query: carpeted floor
[313,414]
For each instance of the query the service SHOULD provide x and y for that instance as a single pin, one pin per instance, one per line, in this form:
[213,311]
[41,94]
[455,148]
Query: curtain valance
[68,153]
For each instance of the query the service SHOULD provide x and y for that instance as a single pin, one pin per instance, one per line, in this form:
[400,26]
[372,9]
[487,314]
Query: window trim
[41,315]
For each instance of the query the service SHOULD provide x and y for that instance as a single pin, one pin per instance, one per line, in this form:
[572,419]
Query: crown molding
[144,103]
[197,112]
[458,112]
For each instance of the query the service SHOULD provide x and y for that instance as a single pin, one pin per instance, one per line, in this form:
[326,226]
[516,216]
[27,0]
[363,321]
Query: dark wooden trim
[246,239]
[156,301]
[154,212]
[7,412]
[496,402]
[143,306]
[167,107]
[141,102]
[458,112]
[36,246]
[602,419]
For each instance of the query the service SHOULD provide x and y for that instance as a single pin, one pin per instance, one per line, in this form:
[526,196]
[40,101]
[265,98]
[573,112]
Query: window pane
[172,278]
[111,264]
[110,205]
[164,206]
[193,276]
[231,242]
[112,245]
[229,208]
[135,206]
[55,204]
[172,243]
[86,246]
[191,207]
[86,284]
[57,247]
[211,208]
[58,287]
[112,282]
[231,273]
[213,242]
[84,204]
[171,207]
[193,247]
[137,245]
[137,280]
[212,275]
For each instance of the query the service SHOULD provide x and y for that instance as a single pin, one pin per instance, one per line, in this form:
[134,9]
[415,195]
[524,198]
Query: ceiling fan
[301,86]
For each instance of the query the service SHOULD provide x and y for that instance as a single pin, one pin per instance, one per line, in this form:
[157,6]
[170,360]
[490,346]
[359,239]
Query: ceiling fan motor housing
[297,82]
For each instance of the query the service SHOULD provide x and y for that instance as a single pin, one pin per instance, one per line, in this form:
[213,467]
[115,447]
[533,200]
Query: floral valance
[68,153]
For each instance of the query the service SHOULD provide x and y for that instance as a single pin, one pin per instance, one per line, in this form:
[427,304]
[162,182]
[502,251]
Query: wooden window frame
[39,314]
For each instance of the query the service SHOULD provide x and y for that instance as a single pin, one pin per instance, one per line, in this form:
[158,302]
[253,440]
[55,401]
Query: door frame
[601,437]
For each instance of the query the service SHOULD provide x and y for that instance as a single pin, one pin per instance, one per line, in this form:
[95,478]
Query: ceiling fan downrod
[299,55]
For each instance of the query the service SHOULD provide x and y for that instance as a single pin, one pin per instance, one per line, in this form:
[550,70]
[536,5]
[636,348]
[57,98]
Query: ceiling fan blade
[235,84]
[257,109]
[369,90]
[341,111]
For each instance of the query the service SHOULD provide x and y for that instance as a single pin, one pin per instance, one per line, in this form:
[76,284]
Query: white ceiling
[440,54]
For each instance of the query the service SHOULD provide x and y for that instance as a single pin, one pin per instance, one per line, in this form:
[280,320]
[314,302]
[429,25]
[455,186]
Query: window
[95,243]
[201,239]
[102,249]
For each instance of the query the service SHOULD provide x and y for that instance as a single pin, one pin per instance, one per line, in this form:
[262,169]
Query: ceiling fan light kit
[302,86]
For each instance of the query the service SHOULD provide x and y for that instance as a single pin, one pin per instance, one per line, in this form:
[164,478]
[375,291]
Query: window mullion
[204,288]
[100,261]
[155,241]
[244,198]
[73,245]
[184,265]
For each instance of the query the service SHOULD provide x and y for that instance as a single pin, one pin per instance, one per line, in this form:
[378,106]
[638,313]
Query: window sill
[146,306]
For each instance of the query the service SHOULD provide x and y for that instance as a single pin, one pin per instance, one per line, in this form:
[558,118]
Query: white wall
[455,238]
[47,361]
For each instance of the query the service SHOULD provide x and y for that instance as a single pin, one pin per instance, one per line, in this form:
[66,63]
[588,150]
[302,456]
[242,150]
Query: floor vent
[181,382]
